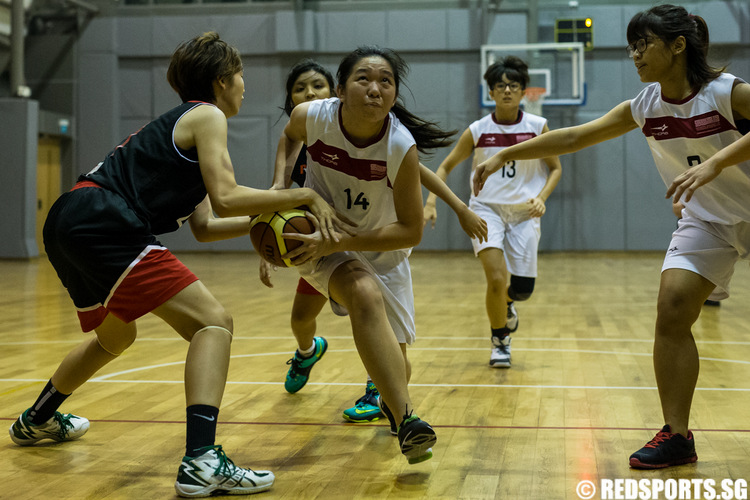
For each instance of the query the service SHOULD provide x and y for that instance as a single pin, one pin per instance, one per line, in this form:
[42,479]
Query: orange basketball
[266,231]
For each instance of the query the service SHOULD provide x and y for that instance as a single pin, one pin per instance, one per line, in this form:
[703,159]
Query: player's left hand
[691,179]
[537,208]
[264,272]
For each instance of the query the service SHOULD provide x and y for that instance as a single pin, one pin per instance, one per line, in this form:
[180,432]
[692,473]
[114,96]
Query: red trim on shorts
[305,288]
[149,282]
[85,184]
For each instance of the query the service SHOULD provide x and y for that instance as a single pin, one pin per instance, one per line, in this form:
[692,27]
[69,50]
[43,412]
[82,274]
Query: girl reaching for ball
[309,81]
[362,158]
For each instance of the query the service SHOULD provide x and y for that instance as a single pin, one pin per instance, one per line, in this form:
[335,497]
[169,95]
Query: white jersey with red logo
[516,181]
[685,133]
[356,181]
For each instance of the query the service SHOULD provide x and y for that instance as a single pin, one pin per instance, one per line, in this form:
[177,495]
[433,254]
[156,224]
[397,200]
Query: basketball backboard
[557,67]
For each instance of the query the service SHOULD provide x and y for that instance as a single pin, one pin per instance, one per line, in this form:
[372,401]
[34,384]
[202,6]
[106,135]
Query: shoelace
[63,422]
[295,365]
[660,437]
[371,395]
[226,467]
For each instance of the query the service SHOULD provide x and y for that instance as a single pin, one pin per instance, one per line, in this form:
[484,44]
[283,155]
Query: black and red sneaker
[665,450]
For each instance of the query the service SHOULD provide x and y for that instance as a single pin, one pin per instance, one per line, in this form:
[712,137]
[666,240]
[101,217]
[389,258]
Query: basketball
[266,231]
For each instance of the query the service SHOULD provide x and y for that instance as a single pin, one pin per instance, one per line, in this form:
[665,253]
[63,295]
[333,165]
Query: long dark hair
[669,22]
[304,66]
[427,135]
[197,62]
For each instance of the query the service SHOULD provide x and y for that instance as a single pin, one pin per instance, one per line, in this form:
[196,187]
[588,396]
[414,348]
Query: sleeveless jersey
[516,181]
[357,181]
[685,133]
[160,182]
[298,173]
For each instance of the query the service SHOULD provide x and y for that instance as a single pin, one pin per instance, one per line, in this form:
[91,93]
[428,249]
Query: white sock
[307,352]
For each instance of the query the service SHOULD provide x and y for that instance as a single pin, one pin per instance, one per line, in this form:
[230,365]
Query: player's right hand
[430,214]
[485,169]
[330,222]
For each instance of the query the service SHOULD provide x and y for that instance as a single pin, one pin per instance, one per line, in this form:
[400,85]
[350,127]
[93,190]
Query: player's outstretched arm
[206,227]
[460,152]
[538,204]
[616,122]
[471,223]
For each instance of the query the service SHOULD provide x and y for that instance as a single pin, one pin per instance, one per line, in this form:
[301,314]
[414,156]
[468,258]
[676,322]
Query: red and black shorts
[107,258]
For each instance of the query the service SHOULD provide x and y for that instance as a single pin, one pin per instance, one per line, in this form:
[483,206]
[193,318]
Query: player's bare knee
[365,296]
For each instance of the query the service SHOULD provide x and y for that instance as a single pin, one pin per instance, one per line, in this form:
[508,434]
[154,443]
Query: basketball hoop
[533,99]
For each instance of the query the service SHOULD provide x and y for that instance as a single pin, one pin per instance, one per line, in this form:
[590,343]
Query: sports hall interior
[580,396]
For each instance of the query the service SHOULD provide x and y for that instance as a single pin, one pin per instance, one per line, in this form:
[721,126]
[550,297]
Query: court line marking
[105,380]
[441,339]
[444,426]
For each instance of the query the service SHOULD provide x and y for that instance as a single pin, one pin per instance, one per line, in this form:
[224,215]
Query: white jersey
[356,181]
[516,181]
[685,133]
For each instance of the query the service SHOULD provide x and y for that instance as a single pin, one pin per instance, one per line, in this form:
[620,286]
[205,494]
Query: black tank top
[160,182]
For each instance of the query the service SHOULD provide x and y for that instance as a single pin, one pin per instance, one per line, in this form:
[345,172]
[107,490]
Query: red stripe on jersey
[339,160]
[694,127]
[85,184]
[155,278]
[503,140]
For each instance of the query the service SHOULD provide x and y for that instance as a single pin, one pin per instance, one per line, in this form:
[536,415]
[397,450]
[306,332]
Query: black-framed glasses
[513,86]
[639,46]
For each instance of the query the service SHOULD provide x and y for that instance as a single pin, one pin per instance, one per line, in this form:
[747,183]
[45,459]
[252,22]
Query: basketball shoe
[61,427]
[416,438]
[366,408]
[389,415]
[213,473]
[666,449]
[500,356]
[299,372]
[511,318]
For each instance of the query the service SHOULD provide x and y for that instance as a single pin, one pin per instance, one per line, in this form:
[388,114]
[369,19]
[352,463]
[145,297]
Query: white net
[533,100]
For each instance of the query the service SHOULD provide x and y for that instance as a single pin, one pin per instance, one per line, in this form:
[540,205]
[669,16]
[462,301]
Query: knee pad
[521,287]
[111,349]
[219,328]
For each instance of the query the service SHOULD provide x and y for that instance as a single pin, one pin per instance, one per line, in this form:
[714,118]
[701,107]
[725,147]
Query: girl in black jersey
[100,237]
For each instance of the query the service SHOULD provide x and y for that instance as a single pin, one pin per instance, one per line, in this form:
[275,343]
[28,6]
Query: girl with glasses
[690,115]
[512,203]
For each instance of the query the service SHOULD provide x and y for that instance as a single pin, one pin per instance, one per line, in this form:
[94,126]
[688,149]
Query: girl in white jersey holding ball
[689,116]
[511,203]
[362,158]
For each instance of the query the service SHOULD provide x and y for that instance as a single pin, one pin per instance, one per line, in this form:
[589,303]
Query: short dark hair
[197,62]
[669,22]
[512,67]
[304,66]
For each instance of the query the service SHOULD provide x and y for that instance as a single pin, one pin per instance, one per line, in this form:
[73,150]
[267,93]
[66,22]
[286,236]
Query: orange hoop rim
[534,93]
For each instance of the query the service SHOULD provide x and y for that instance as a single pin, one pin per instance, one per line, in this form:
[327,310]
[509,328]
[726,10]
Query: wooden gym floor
[578,400]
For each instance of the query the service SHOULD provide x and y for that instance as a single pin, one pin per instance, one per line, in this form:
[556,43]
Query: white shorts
[392,273]
[512,231]
[708,249]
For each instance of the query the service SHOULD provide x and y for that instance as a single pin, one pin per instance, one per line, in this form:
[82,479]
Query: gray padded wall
[19,120]
[610,196]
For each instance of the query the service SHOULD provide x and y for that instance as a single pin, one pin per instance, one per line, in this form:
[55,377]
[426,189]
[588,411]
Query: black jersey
[298,174]
[159,181]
